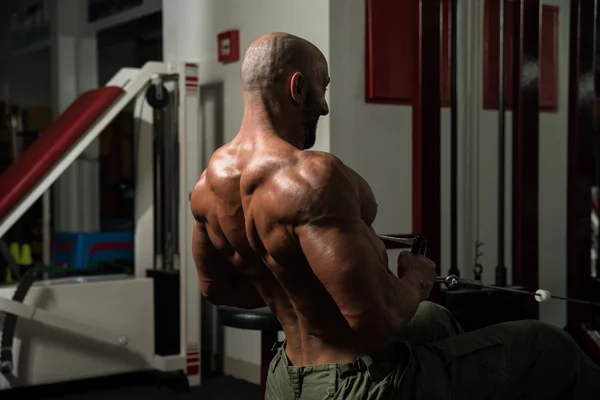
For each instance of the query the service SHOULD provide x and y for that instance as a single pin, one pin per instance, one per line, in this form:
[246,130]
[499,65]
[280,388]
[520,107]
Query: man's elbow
[375,327]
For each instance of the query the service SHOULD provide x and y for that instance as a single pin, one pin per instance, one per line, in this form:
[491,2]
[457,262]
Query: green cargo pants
[433,359]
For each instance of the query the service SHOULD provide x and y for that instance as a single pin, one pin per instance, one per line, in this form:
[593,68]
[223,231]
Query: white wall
[373,139]
[308,19]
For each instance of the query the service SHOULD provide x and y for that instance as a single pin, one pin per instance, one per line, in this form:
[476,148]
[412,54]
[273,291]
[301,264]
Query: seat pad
[260,319]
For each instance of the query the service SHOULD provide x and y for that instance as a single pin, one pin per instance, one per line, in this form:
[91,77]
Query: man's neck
[257,121]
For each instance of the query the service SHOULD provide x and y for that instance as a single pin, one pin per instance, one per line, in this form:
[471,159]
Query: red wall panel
[491,69]
[548,57]
[391,45]
[392,51]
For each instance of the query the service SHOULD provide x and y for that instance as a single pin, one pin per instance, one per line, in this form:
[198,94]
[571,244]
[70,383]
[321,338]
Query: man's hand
[417,270]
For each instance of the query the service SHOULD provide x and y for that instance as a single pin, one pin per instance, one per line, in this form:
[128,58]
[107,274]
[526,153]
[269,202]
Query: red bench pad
[47,150]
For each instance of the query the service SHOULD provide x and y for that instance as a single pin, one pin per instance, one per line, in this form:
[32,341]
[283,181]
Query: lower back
[315,329]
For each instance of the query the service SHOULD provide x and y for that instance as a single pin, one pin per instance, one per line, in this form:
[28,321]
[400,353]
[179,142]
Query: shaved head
[290,74]
[270,59]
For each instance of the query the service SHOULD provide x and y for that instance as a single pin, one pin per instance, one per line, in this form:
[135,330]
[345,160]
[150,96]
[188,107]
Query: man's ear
[298,87]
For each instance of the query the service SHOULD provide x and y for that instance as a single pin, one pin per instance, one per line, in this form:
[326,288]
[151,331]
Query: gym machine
[583,322]
[472,304]
[57,330]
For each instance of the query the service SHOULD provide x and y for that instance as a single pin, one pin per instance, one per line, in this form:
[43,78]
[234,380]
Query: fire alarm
[229,46]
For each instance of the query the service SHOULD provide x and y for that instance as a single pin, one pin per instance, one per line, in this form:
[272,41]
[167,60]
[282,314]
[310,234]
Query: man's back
[290,228]
[248,201]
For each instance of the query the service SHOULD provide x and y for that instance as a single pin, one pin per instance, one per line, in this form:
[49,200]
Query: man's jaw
[310,134]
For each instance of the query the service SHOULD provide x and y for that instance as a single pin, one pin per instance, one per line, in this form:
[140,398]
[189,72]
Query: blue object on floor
[78,250]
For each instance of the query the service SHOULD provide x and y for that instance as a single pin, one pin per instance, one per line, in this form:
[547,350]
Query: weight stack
[475,309]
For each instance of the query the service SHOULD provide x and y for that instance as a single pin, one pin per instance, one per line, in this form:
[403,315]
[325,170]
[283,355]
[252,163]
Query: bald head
[271,59]
[287,76]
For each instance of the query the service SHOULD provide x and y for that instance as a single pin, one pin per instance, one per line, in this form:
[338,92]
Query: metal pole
[167,193]
[454,141]
[176,174]
[158,164]
[500,265]
[171,186]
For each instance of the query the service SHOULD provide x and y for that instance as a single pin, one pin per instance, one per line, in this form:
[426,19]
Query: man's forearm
[406,297]
[398,304]
[403,300]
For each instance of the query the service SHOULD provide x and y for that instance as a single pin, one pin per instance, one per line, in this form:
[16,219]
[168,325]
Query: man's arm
[344,253]
[221,282]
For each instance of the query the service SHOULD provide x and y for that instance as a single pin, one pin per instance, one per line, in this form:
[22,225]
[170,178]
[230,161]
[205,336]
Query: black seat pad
[260,319]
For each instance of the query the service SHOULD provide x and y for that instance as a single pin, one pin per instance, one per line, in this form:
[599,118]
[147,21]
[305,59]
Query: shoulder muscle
[316,187]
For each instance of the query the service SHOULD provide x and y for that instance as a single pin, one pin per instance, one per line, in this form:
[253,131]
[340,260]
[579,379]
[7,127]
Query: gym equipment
[417,244]
[541,295]
[582,322]
[454,141]
[95,326]
[261,319]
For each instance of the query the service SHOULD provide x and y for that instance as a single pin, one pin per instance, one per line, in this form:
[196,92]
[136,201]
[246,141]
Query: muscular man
[282,226]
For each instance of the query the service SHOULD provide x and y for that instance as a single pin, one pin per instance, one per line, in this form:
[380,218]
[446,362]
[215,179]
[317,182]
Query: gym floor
[213,388]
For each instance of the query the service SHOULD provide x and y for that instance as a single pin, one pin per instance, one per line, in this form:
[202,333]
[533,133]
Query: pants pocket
[476,372]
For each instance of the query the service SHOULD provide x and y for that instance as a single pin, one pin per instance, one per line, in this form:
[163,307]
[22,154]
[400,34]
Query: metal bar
[525,150]
[171,184]
[405,241]
[63,323]
[176,170]
[158,166]
[474,135]
[167,184]
[516,88]
[46,227]
[453,270]
[426,130]
[167,187]
[418,244]
[582,97]
[500,264]
[454,282]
